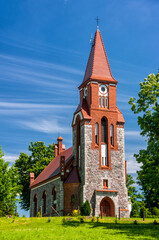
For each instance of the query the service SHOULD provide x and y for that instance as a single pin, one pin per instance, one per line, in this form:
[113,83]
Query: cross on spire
[97,19]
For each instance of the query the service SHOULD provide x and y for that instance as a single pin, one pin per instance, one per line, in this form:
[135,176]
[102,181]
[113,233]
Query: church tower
[98,138]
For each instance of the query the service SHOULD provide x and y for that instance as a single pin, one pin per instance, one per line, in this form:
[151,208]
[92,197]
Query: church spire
[98,66]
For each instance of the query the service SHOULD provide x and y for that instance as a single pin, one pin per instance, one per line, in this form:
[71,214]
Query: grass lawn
[40,229]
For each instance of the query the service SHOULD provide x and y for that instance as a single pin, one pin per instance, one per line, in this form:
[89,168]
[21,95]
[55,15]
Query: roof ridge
[94,52]
[105,54]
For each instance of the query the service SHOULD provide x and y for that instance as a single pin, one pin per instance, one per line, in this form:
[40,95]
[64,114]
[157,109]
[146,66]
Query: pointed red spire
[98,66]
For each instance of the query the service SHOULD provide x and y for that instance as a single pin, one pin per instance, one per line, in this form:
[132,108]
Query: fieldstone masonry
[49,198]
[92,177]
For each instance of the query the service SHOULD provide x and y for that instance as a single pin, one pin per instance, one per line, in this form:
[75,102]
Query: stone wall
[92,177]
[49,198]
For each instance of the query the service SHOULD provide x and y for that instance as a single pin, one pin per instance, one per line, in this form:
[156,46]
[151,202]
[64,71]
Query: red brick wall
[69,190]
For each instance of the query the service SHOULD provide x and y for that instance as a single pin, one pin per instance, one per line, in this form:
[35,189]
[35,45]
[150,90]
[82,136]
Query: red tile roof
[73,177]
[98,65]
[84,109]
[53,168]
[120,116]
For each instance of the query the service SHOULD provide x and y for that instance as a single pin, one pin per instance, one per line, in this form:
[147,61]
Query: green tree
[147,108]
[40,157]
[9,187]
[137,199]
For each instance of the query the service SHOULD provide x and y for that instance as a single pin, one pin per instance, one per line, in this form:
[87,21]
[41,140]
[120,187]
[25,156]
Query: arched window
[44,202]
[73,199]
[35,205]
[104,130]
[104,149]
[96,134]
[78,142]
[112,134]
[54,193]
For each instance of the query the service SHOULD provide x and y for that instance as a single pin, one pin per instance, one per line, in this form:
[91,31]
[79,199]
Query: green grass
[40,229]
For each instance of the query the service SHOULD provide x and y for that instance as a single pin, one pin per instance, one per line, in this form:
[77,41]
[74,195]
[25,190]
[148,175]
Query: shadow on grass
[140,230]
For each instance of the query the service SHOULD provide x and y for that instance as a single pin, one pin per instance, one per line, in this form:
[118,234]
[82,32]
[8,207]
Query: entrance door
[107,207]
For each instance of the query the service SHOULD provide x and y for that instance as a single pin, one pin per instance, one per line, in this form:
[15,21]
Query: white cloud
[10,157]
[36,46]
[132,133]
[132,164]
[46,126]
[34,105]
[37,63]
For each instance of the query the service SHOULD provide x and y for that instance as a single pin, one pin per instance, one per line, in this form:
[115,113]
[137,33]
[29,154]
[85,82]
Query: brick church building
[94,168]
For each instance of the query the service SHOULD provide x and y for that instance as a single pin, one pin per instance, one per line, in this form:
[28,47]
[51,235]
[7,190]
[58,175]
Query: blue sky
[44,48]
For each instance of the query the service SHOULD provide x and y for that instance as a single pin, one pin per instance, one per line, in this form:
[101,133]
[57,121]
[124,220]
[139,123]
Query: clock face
[103,89]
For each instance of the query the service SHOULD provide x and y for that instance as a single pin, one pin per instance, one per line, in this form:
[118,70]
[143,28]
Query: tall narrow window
[100,103]
[104,155]
[54,192]
[35,205]
[44,202]
[78,147]
[106,102]
[79,156]
[104,130]
[96,134]
[103,101]
[104,150]
[112,134]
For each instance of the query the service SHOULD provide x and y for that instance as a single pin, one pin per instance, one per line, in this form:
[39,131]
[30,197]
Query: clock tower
[98,138]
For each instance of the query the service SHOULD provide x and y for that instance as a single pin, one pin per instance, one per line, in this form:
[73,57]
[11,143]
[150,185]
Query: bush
[94,219]
[64,220]
[135,222]
[155,212]
[75,213]
[38,214]
[155,222]
[85,208]
[82,219]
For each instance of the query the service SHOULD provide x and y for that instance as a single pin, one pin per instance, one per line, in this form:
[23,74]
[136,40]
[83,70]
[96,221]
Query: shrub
[38,214]
[82,219]
[155,211]
[64,220]
[23,216]
[94,219]
[75,213]
[155,222]
[85,208]
[135,222]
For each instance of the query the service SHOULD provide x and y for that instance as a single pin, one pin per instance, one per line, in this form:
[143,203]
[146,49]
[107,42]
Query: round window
[103,89]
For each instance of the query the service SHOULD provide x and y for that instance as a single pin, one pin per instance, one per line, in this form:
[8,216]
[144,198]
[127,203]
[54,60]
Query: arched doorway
[107,207]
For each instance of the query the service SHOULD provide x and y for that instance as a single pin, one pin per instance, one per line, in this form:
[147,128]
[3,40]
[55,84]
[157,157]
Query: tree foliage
[9,187]
[137,199]
[40,157]
[147,108]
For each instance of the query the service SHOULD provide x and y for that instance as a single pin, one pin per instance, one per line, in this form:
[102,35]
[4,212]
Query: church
[94,168]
